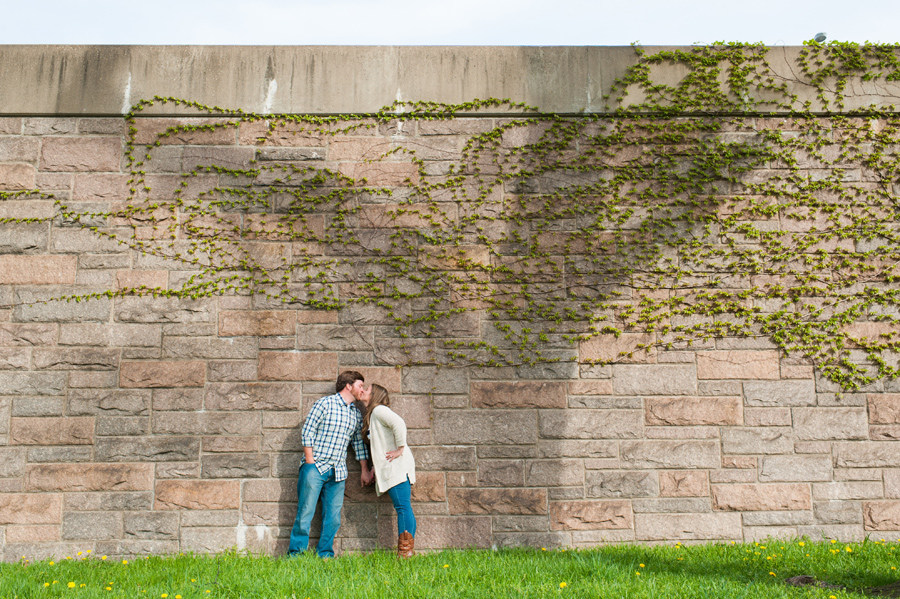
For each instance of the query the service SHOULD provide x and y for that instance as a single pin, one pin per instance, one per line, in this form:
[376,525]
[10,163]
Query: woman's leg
[401,498]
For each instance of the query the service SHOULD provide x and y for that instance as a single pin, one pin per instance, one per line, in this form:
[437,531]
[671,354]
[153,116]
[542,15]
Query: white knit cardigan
[387,432]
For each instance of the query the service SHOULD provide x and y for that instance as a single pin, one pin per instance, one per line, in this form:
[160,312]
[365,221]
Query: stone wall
[139,424]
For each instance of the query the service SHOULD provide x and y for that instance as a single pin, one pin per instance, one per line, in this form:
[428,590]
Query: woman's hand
[393,454]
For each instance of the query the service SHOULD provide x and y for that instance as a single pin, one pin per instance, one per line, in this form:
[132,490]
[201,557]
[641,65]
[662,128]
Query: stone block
[89,477]
[738,364]
[669,454]
[273,489]
[621,483]
[501,473]
[327,337]
[590,424]
[767,417]
[296,366]
[42,304]
[684,483]
[59,453]
[98,379]
[147,449]
[91,526]
[222,444]
[838,512]
[109,402]
[748,498]
[591,515]
[257,323]
[164,310]
[238,348]
[439,532]
[253,396]
[687,527]
[205,423]
[682,411]
[682,432]
[52,431]
[577,449]
[14,177]
[768,440]
[15,358]
[881,515]
[95,154]
[71,358]
[151,525]
[181,399]
[445,458]
[554,473]
[177,470]
[790,393]
[497,501]
[37,270]
[101,188]
[113,501]
[429,487]
[110,335]
[518,394]
[19,149]
[197,495]
[610,348]
[795,468]
[37,406]
[250,465]
[827,424]
[30,238]
[884,408]
[30,508]
[26,335]
[839,491]
[48,126]
[31,534]
[654,379]
[519,524]
[162,374]
[866,454]
[670,505]
[231,370]
[590,387]
[500,427]
[12,462]
[32,383]
[431,379]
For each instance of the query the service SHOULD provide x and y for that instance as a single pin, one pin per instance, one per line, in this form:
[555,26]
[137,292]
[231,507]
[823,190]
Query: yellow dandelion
[124,561]
[562,585]
[893,567]
[82,585]
[446,565]
[207,590]
[802,544]
[55,581]
[637,573]
[848,549]
[164,595]
[771,573]
[641,565]
[71,585]
[543,549]
[177,596]
[104,557]
[51,563]
[193,580]
[79,553]
[108,588]
[831,597]
[90,550]
[833,541]
[46,584]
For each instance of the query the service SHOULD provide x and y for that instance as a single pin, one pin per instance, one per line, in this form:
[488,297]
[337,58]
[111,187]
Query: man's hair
[348,377]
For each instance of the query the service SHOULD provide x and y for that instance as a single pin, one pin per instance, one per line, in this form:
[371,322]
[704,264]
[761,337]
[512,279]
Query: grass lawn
[710,571]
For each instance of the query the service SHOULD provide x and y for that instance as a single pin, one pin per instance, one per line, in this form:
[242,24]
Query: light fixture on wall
[820,37]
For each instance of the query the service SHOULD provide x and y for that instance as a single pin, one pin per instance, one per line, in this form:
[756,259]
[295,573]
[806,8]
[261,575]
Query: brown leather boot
[405,545]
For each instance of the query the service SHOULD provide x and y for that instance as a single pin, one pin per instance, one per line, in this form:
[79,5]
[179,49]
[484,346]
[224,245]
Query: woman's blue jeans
[400,496]
[310,485]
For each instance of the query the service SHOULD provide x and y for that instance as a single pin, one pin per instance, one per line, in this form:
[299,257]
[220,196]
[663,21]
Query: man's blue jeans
[400,496]
[310,485]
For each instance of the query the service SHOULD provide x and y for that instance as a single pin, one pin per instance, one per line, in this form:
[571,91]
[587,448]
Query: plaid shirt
[330,426]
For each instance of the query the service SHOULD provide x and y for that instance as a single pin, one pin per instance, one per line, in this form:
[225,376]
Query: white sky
[449,22]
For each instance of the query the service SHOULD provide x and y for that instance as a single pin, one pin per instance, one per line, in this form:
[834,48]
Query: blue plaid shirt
[330,426]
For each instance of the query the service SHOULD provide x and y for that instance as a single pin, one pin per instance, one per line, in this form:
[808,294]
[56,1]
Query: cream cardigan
[387,432]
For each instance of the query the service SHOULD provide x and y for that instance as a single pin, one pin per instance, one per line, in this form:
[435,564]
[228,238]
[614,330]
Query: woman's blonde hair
[380,397]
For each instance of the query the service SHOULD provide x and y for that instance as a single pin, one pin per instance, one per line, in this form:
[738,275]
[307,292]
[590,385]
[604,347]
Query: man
[333,422]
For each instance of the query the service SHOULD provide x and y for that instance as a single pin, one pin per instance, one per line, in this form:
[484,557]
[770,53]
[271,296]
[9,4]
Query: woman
[394,466]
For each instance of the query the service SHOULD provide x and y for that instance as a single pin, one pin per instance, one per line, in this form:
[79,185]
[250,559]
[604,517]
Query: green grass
[710,571]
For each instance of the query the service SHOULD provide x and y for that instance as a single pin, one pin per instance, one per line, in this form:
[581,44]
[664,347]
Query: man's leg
[332,502]
[309,486]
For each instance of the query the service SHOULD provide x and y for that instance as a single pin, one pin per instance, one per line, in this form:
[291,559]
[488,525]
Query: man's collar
[344,398]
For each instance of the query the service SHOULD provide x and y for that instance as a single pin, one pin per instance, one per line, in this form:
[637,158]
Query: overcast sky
[448,22]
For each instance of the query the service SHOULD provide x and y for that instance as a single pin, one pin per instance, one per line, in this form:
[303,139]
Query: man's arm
[310,428]
[362,454]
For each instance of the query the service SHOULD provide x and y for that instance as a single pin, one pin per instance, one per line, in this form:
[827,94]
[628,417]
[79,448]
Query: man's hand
[367,477]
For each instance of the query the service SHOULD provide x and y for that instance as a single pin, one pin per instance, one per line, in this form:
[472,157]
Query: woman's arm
[393,421]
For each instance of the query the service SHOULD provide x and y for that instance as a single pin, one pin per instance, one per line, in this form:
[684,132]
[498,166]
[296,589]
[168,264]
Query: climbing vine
[733,202]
